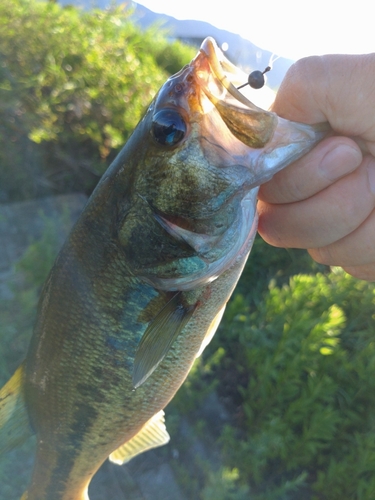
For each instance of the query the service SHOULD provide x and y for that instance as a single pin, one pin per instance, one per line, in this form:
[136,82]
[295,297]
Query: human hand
[325,201]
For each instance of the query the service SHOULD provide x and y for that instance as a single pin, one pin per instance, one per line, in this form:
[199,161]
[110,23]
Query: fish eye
[168,127]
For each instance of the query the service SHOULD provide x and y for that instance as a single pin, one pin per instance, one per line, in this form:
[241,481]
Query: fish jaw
[291,140]
[272,142]
[230,254]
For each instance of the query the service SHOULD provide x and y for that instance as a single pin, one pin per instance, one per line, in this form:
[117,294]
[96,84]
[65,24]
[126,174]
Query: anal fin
[14,420]
[152,435]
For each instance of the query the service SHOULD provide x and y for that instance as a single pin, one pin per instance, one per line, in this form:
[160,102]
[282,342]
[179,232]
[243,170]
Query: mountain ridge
[241,51]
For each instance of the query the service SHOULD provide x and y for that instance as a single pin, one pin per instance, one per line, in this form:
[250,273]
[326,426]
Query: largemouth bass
[141,284]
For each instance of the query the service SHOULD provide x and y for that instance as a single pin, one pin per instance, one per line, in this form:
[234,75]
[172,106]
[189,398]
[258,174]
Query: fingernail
[340,161]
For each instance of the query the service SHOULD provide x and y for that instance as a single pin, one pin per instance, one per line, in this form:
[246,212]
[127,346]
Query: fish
[140,286]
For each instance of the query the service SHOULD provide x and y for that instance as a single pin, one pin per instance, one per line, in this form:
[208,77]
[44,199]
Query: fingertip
[295,98]
[266,228]
[324,255]
[327,88]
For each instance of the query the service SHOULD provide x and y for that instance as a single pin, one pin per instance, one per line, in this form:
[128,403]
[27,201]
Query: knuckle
[324,255]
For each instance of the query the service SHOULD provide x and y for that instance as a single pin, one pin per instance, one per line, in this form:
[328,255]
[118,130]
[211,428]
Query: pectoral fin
[14,421]
[152,435]
[158,338]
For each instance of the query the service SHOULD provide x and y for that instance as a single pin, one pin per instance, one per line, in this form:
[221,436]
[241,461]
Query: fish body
[141,284]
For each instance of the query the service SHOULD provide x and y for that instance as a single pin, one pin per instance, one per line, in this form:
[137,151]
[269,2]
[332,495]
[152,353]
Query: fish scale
[142,281]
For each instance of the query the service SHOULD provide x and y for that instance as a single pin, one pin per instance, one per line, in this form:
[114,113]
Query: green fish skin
[141,284]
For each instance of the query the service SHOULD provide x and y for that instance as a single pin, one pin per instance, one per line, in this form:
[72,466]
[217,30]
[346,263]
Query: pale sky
[289,28]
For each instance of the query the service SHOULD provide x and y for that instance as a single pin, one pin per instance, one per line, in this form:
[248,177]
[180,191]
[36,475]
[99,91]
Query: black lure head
[256,79]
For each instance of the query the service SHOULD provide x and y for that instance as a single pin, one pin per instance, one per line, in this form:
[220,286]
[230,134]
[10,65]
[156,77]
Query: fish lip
[218,79]
[270,143]
[229,75]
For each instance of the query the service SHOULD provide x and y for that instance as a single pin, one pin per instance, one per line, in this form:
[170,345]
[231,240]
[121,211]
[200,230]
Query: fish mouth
[229,75]
[269,143]
[219,79]
[233,130]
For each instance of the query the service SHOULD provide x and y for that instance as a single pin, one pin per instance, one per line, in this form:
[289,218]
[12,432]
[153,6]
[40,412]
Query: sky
[289,28]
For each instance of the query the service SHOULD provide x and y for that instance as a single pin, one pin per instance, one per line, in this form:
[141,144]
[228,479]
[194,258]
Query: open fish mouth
[270,142]
[221,70]
[205,93]
[219,79]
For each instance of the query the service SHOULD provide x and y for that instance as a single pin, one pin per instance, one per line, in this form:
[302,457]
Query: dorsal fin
[159,337]
[152,435]
[14,420]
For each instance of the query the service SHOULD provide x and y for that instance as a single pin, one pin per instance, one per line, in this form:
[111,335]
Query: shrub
[300,379]
[73,85]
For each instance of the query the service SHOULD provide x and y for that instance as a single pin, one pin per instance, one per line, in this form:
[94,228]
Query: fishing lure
[256,79]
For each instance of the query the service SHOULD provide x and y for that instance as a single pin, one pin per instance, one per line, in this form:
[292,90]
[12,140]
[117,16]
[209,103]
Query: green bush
[298,379]
[73,85]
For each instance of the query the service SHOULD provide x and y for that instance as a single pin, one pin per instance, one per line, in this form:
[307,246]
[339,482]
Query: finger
[328,88]
[324,218]
[355,249]
[366,272]
[328,161]
[295,99]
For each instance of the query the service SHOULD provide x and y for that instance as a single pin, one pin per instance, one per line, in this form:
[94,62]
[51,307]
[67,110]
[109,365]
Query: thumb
[338,88]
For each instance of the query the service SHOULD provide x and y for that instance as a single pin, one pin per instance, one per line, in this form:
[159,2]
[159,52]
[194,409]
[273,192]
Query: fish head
[202,150]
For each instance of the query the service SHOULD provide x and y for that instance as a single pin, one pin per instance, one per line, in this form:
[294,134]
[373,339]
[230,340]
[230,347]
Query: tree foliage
[76,84]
